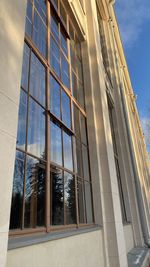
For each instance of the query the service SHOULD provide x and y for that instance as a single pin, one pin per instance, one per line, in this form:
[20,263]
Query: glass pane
[85,163]
[36,130]
[28,28]
[81,95]
[39,34]
[55,56]
[41,7]
[25,67]
[64,43]
[81,207]
[35,194]
[83,129]
[65,72]
[73,57]
[37,80]
[69,198]
[54,97]
[67,144]
[78,47]
[56,144]
[74,86]
[88,201]
[63,14]
[54,26]
[71,32]
[66,109]
[79,70]
[21,133]
[55,2]
[76,121]
[17,194]
[79,159]
[57,196]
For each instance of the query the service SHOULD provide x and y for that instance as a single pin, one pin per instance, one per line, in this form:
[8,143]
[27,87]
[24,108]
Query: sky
[134,23]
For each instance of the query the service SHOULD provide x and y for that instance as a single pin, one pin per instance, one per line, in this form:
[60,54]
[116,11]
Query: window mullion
[48,184]
[24,186]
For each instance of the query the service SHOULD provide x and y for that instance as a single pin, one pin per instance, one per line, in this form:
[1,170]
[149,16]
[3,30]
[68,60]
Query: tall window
[52,183]
[106,52]
[116,156]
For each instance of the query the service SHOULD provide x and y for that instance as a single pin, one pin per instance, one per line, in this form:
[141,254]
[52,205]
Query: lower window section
[34,193]
[57,196]
[69,198]
[63,207]
[17,196]
[70,201]
[28,198]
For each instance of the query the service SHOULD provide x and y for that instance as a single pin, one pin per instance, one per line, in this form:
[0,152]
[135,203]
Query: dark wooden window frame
[49,71]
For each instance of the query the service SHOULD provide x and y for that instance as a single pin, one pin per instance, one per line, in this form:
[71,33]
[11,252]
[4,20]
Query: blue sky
[134,23]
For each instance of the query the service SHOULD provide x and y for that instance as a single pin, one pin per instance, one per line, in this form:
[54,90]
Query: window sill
[19,242]
[138,257]
[126,223]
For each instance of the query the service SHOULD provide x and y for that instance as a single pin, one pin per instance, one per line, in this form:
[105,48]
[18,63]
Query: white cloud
[131,15]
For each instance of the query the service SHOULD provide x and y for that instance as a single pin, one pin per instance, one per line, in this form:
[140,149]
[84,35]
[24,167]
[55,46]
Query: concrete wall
[84,250]
[12,19]
[128,233]
[104,248]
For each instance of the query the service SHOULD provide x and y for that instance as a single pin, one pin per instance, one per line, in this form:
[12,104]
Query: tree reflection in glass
[17,196]
[69,198]
[56,144]
[35,193]
[36,130]
[57,196]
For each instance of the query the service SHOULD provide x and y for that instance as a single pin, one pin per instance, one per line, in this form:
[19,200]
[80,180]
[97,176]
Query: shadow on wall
[11,44]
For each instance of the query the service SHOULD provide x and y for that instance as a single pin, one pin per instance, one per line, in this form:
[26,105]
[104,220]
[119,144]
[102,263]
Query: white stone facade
[108,245]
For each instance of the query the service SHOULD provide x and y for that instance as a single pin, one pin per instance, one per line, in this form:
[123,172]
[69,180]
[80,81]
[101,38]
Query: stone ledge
[139,257]
[19,242]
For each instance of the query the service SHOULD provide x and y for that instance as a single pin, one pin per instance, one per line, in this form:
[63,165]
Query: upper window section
[52,184]
[36,27]
[76,67]
[59,60]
